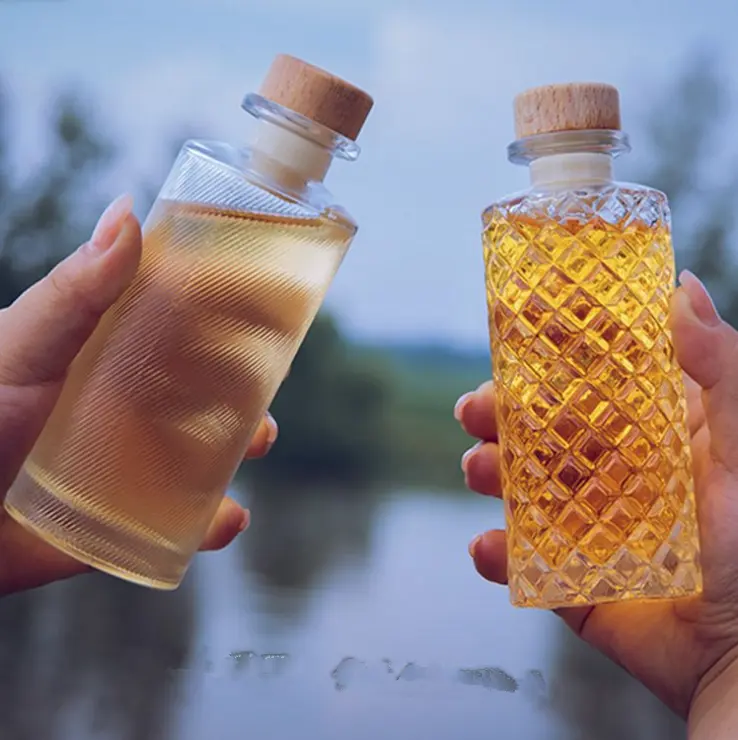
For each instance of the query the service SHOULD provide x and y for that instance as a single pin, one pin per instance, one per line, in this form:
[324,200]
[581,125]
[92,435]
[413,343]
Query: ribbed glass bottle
[158,409]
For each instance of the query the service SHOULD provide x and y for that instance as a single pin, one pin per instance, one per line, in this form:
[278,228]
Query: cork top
[570,107]
[316,94]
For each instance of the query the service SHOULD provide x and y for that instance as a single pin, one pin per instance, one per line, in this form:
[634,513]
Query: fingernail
[272,430]
[109,225]
[459,407]
[699,299]
[244,521]
[467,455]
[474,544]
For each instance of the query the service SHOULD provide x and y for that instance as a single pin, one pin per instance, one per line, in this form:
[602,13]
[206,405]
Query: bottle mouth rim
[595,141]
[338,144]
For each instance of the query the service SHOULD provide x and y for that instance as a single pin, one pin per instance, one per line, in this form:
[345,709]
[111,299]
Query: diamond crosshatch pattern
[596,463]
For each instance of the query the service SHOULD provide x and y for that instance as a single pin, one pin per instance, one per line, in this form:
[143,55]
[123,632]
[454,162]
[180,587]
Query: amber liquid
[160,406]
[596,466]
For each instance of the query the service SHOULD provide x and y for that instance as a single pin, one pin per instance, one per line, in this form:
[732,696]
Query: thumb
[42,332]
[707,350]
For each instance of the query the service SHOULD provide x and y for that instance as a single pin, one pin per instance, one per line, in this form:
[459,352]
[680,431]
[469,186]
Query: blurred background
[350,607]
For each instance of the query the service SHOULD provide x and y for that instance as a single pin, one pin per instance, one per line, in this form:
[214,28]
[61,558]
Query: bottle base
[581,600]
[104,546]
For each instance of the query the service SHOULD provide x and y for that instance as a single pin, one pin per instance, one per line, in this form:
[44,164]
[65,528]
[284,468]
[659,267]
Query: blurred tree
[298,536]
[427,442]
[47,214]
[683,134]
[332,413]
[693,160]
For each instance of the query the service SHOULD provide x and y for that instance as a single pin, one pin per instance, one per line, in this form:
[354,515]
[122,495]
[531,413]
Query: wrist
[713,713]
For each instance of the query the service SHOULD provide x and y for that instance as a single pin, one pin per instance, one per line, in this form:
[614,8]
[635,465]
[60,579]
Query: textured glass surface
[159,407]
[596,462]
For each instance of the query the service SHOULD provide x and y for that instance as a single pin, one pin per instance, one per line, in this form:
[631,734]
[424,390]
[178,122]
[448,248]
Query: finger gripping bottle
[158,409]
[595,454]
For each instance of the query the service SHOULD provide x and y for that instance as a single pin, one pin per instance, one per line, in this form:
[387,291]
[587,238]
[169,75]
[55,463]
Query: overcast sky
[443,75]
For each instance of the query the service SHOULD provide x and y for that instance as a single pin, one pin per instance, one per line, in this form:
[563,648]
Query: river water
[336,616]
[395,637]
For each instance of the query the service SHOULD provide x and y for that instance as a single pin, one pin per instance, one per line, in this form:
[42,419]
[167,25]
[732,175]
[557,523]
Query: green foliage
[332,412]
[48,214]
[428,441]
[369,414]
[690,141]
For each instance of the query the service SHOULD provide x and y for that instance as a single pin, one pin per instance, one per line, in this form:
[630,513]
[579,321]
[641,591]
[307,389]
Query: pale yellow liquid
[596,465]
[160,406]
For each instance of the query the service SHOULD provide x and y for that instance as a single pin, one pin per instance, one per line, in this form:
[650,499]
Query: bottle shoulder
[220,175]
[613,202]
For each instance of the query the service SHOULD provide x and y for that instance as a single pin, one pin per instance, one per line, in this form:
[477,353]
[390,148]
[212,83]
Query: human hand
[683,650]
[40,334]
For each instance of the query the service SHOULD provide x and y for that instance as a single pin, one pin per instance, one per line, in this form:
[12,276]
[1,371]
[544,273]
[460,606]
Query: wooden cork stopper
[317,95]
[571,107]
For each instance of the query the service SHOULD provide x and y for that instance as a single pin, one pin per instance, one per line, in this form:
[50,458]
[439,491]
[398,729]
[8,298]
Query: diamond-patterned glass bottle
[595,454]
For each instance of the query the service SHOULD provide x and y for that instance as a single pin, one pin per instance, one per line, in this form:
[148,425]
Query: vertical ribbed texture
[161,404]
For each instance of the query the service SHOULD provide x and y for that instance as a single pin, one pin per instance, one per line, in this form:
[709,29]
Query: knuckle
[68,297]
[66,290]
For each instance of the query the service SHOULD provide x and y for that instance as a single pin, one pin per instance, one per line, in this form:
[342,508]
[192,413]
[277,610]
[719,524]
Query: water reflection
[93,655]
[361,614]
[598,699]
[298,535]
[20,619]
[352,672]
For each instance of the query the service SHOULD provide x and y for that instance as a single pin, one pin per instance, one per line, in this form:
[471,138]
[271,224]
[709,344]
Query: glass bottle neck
[291,149]
[570,158]
[572,168]
[287,156]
